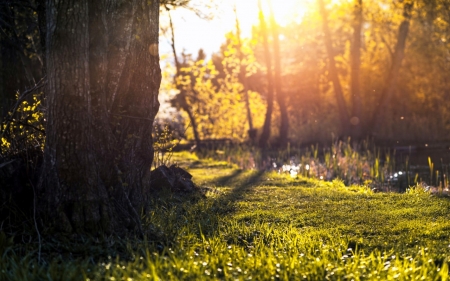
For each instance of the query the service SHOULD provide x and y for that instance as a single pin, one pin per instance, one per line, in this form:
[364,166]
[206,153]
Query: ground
[257,226]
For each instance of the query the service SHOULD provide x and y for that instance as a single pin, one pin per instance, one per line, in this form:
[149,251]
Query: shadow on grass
[195,164]
[247,184]
[205,164]
[225,204]
[226,180]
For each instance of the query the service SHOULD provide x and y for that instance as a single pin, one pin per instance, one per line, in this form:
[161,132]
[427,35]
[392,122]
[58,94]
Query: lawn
[256,225]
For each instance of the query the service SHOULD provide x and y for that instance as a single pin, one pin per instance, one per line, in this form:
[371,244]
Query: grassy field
[256,226]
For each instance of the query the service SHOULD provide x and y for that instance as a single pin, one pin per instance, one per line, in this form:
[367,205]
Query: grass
[257,226]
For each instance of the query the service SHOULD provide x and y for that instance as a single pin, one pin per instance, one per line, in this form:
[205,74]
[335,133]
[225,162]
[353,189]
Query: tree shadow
[227,179]
[202,215]
[225,203]
[238,192]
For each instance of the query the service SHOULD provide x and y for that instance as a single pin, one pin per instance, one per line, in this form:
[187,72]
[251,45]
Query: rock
[174,178]
[184,184]
[180,172]
[162,178]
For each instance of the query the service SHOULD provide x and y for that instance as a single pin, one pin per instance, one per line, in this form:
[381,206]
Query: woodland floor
[255,225]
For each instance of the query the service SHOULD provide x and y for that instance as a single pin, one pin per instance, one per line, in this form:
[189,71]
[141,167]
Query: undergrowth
[254,226]
[354,163]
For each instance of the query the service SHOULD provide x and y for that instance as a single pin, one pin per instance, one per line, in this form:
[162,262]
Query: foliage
[363,164]
[417,111]
[24,128]
[21,48]
[163,143]
[217,101]
[419,189]
[255,225]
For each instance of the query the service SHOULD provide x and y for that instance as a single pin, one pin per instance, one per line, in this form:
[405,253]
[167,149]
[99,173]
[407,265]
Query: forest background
[375,69]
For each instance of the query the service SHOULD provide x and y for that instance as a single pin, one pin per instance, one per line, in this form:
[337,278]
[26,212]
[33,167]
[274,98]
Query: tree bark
[390,86]
[103,80]
[265,135]
[355,61]
[281,98]
[333,73]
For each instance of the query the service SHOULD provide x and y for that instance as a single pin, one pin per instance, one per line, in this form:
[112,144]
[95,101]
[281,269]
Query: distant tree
[356,118]
[392,77]
[218,99]
[180,100]
[333,72]
[265,134]
[280,94]
[359,57]
[243,79]
[102,97]
[351,124]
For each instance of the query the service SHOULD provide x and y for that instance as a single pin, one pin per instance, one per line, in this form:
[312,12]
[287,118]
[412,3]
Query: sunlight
[187,23]
[289,11]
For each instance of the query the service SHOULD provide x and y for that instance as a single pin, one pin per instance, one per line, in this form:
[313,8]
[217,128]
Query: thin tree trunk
[281,99]
[333,73]
[101,104]
[182,96]
[40,8]
[390,86]
[265,135]
[243,79]
[355,61]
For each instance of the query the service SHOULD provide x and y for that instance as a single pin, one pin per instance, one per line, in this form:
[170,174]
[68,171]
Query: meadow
[254,225]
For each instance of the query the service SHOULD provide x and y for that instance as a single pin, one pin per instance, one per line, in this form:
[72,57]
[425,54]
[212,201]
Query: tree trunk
[281,99]
[333,73]
[103,80]
[389,88]
[180,100]
[355,61]
[265,135]
[40,8]
[243,79]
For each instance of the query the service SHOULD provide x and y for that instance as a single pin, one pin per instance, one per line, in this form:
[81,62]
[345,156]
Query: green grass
[257,226]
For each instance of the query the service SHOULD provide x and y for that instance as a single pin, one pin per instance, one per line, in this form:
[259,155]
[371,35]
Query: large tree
[102,97]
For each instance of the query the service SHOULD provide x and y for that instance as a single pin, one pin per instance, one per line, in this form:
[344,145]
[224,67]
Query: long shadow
[195,164]
[226,180]
[225,204]
[237,193]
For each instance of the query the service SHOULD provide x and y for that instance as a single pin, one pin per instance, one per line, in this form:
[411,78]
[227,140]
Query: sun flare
[286,12]
[289,11]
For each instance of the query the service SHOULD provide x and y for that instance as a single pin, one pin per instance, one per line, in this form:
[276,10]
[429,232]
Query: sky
[193,33]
